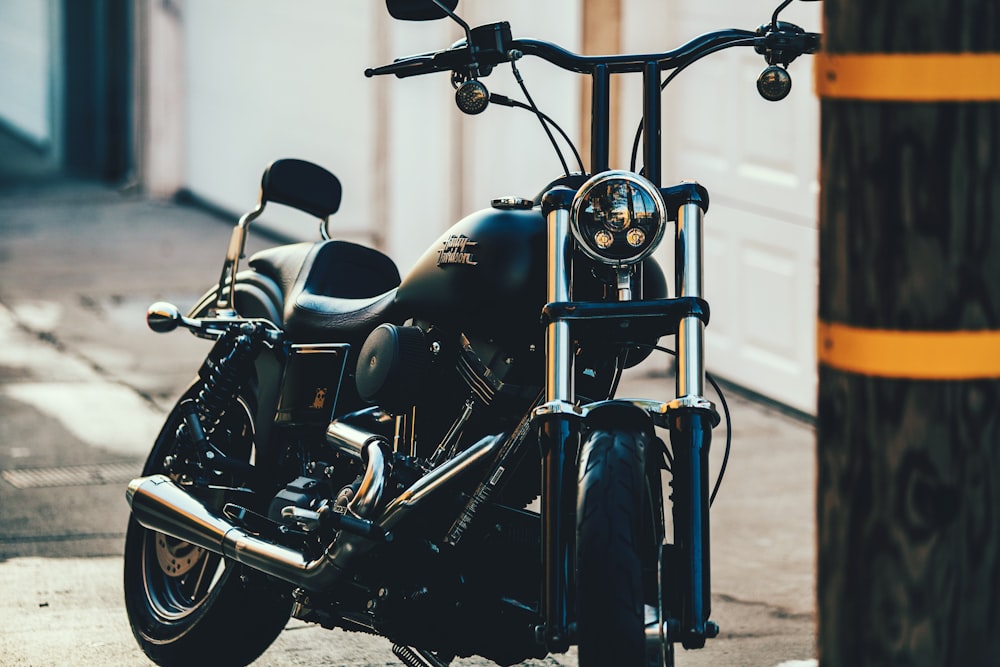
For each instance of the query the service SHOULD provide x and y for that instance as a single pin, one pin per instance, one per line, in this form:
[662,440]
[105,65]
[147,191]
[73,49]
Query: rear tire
[186,605]
[619,530]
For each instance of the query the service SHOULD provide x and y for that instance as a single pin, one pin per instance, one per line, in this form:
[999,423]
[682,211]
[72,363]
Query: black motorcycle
[366,452]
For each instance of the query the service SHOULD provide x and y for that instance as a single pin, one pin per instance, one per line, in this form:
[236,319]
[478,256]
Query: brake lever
[424,63]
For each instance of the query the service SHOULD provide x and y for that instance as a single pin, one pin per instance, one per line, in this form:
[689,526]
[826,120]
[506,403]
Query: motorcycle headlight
[618,217]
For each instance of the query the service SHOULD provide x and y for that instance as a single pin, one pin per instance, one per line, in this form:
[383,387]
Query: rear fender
[256,296]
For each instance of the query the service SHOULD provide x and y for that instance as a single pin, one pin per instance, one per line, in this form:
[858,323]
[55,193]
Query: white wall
[506,151]
[419,141]
[268,80]
[450,164]
[25,64]
[161,93]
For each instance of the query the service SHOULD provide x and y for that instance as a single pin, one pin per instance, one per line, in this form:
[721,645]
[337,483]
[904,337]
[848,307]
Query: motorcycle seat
[334,291]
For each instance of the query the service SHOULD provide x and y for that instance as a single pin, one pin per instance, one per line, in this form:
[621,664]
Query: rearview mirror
[419,10]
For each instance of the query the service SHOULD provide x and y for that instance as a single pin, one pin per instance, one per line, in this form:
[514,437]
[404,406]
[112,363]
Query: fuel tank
[486,275]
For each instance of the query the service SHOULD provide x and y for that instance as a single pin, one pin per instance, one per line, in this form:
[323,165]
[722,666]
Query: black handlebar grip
[405,67]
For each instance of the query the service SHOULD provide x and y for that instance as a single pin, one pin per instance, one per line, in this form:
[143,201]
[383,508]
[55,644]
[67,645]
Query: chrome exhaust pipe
[161,505]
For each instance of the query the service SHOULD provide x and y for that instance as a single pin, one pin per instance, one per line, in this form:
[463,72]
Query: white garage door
[759,161]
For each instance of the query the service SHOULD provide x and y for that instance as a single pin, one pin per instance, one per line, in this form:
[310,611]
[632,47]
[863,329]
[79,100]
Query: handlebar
[489,45]
[617,64]
[779,43]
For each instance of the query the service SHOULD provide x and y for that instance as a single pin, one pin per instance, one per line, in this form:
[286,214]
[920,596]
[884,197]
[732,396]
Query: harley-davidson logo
[457,250]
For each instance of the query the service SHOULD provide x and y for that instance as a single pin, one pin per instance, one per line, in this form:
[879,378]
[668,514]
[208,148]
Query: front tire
[619,530]
[186,605]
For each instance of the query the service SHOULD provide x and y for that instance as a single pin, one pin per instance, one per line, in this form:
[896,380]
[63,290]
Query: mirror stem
[458,19]
[774,18]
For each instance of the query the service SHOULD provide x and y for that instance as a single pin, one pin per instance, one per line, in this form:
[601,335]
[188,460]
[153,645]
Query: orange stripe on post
[903,77]
[916,355]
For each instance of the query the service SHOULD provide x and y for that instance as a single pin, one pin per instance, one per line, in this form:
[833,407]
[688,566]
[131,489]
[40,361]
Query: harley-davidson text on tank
[457,250]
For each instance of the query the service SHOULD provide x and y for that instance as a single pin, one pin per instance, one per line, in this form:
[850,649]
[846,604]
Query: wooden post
[908,433]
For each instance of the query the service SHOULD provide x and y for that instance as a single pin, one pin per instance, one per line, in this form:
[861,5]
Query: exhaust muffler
[161,505]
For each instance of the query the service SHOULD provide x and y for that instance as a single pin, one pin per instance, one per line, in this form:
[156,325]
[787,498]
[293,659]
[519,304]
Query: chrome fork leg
[691,333]
[558,342]
[556,433]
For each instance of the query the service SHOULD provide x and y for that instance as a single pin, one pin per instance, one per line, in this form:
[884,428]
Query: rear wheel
[187,605]
[619,531]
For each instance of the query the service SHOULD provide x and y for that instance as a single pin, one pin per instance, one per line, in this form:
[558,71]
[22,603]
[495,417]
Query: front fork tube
[558,439]
[558,435]
[690,437]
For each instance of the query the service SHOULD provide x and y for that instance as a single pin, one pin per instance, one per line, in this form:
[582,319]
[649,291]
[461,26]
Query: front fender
[619,415]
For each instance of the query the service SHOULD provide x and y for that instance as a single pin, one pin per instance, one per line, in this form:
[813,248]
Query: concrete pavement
[83,386]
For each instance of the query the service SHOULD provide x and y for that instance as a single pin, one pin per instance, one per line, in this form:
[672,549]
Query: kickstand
[415,657]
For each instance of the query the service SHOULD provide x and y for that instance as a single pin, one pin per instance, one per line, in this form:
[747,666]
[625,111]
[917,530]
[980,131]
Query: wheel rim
[178,577]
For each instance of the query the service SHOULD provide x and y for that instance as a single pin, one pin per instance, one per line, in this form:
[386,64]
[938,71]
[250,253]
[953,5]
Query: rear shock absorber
[229,366]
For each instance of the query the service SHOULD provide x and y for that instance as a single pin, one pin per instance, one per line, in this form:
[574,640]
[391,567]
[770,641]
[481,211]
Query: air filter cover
[391,364]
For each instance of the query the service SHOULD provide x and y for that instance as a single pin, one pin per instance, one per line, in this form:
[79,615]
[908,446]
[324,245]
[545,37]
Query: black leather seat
[334,291]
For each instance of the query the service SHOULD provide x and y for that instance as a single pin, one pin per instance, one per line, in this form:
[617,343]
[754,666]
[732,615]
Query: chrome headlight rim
[583,240]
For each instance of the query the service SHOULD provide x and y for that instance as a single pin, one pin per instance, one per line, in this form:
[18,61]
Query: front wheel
[619,531]
[186,605]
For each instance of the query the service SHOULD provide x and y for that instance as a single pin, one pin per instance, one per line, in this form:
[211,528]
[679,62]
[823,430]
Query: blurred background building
[196,97]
